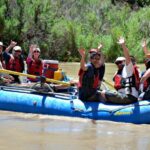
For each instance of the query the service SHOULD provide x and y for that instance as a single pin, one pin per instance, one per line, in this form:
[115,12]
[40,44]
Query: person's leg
[97,97]
[141,96]
[146,95]
[118,98]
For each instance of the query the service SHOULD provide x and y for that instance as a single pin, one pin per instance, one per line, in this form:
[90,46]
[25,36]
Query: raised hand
[145,49]
[143,44]
[32,46]
[100,46]
[13,43]
[121,40]
[82,52]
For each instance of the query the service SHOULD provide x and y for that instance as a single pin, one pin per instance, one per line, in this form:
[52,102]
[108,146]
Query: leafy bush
[60,28]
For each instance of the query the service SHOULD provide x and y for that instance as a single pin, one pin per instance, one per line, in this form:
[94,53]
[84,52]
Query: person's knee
[103,96]
[102,93]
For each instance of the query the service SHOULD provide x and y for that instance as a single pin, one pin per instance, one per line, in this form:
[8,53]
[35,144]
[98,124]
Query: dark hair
[147,63]
[133,59]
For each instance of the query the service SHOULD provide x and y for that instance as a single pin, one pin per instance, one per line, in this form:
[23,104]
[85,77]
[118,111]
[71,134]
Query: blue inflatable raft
[29,101]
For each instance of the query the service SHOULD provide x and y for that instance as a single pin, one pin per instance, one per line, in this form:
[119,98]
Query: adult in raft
[34,63]
[126,79]
[4,78]
[1,55]
[14,61]
[91,75]
[145,79]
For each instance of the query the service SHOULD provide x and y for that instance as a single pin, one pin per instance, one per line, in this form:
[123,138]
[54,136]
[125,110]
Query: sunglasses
[118,62]
[17,51]
[96,58]
[36,52]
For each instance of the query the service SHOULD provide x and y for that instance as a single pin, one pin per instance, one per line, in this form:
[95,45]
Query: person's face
[120,64]
[36,54]
[17,53]
[96,61]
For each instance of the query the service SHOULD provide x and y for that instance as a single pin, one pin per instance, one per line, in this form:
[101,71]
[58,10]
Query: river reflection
[21,131]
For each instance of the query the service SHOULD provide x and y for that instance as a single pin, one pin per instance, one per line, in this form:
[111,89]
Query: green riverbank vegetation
[60,27]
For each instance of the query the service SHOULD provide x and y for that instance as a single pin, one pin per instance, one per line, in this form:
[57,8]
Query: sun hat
[17,48]
[1,43]
[36,49]
[120,59]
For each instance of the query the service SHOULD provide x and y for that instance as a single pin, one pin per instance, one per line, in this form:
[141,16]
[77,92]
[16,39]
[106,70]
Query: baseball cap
[17,48]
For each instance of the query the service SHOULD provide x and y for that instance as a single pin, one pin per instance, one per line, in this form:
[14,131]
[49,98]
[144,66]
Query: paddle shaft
[33,77]
[107,82]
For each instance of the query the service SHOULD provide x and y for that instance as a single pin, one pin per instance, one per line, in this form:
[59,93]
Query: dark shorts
[119,98]
[16,78]
[91,95]
[147,95]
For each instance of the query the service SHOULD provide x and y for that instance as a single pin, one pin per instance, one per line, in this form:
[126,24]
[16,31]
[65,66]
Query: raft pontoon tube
[29,101]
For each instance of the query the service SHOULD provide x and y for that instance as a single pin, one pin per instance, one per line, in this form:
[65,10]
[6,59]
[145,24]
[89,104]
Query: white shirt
[128,72]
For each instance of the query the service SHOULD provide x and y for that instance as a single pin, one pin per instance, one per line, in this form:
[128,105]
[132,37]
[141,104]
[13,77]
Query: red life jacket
[35,67]
[118,82]
[146,83]
[86,81]
[134,80]
[96,81]
[15,64]
[137,77]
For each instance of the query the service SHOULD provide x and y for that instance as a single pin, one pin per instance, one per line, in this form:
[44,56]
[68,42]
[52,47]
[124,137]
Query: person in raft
[14,61]
[145,79]
[34,63]
[1,55]
[126,79]
[91,75]
[4,78]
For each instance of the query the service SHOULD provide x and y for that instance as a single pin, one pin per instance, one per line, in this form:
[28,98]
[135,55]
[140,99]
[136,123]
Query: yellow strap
[108,82]
[33,77]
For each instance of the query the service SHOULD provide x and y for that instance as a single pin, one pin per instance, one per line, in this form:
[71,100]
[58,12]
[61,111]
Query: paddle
[109,83]
[34,77]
